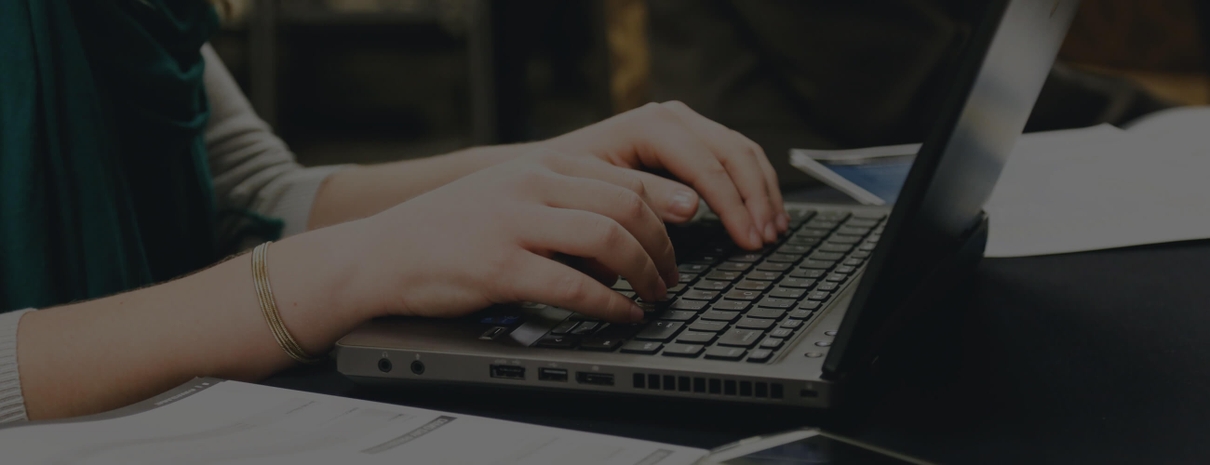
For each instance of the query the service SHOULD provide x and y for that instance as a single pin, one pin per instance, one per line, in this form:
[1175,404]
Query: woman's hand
[498,236]
[730,171]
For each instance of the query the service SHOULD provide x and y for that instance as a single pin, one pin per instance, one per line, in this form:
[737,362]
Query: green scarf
[104,183]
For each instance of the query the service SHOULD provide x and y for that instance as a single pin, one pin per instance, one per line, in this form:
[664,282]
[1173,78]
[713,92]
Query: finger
[542,280]
[742,163]
[593,236]
[672,201]
[672,147]
[625,207]
[771,182]
[596,270]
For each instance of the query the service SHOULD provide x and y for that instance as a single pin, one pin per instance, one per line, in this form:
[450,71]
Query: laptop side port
[508,371]
[599,379]
[552,374]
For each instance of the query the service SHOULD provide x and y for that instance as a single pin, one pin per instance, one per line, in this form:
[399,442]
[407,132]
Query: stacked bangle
[268,306]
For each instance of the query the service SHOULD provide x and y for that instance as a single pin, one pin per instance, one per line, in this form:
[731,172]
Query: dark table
[1090,357]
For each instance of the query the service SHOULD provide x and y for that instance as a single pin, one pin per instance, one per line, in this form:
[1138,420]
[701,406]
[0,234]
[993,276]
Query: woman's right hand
[498,236]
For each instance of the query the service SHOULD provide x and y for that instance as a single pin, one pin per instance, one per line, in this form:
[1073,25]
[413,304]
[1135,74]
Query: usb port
[508,372]
[552,374]
[600,379]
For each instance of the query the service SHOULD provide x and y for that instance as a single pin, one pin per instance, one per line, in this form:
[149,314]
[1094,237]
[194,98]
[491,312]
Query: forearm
[98,355]
[364,191]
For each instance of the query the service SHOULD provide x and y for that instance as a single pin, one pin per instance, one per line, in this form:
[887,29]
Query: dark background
[367,81]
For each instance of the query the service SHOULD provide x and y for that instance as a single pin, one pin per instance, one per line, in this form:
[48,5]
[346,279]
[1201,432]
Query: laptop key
[805,273]
[834,247]
[683,350]
[692,268]
[794,249]
[760,356]
[674,290]
[737,294]
[771,343]
[763,275]
[809,305]
[622,285]
[750,285]
[557,342]
[731,305]
[675,315]
[772,313]
[718,275]
[736,337]
[564,327]
[820,223]
[853,262]
[797,283]
[725,353]
[791,324]
[600,344]
[781,332]
[748,322]
[773,302]
[852,231]
[845,239]
[817,264]
[837,277]
[687,278]
[837,216]
[585,328]
[696,337]
[691,305]
[799,314]
[699,295]
[745,258]
[805,240]
[826,256]
[719,315]
[641,347]
[812,232]
[845,269]
[819,295]
[775,267]
[710,326]
[783,258]
[733,266]
[788,293]
[659,331]
[707,285]
[828,286]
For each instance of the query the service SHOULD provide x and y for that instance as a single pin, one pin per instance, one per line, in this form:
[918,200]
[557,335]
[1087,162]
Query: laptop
[786,325]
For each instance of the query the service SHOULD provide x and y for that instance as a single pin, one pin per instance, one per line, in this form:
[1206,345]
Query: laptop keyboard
[732,304]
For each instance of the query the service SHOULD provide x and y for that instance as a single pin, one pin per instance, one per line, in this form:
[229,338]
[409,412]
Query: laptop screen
[998,78]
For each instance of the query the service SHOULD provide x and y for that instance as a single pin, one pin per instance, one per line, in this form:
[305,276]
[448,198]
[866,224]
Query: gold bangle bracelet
[268,306]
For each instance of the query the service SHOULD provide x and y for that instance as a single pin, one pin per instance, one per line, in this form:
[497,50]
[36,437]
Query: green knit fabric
[104,183]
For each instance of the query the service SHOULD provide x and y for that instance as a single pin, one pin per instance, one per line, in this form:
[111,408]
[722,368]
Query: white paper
[238,423]
[1097,188]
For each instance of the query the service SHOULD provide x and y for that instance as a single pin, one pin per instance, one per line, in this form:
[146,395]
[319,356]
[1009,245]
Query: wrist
[315,280]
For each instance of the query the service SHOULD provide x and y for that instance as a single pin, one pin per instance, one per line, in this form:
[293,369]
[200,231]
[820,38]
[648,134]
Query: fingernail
[783,222]
[683,203]
[636,313]
[754,237]
[770,233]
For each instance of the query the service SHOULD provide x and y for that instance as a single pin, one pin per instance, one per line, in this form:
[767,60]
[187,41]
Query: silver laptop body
[933,237]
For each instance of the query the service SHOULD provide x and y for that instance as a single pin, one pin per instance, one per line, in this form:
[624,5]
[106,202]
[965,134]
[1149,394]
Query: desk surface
[1101,356]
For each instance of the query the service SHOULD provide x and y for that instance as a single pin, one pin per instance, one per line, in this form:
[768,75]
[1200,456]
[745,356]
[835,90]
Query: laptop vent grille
[716,386]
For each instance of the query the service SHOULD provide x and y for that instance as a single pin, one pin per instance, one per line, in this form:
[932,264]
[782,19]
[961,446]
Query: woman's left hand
[730,171]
